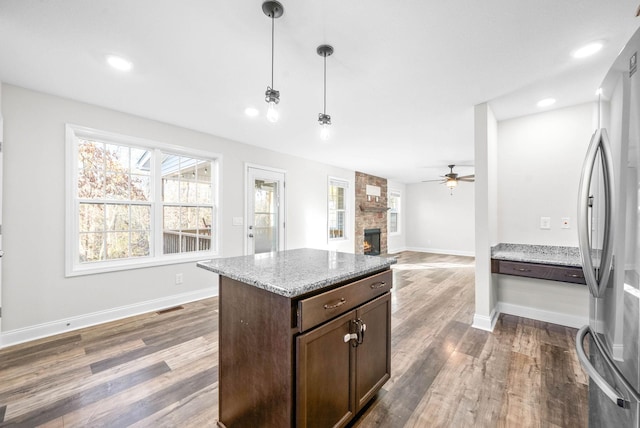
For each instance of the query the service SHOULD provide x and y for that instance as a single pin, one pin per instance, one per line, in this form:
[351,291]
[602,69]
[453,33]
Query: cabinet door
[325,375]
[373,355]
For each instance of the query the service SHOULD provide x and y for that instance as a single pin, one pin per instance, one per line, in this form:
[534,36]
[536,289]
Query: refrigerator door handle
[606,262]
[599,140]
[608,390]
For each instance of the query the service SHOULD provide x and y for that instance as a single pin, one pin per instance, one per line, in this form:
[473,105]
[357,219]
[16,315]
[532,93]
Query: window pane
[117,217]
[140,244]
[188,191]
[140,161]
[337,214]
[204,192]
[393,222]
[91,218]
[336,197]
[206,216]
[189,219]
[141,217]
[140,188]
[171,218]
[170,189]
[91,247]
[117,245]
[117,158]
[117,186]
[90,170]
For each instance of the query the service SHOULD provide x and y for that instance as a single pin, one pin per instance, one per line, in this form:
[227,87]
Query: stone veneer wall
[370,219]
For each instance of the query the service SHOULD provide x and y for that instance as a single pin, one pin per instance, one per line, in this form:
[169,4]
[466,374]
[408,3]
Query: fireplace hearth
[372,242]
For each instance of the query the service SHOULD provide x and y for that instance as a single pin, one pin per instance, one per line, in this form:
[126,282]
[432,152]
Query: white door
[265,210]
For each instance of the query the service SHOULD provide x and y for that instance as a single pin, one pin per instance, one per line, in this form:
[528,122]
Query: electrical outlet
[179,279]
[545,222]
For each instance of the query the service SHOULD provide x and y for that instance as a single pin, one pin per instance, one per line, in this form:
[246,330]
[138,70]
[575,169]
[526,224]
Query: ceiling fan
[451,179]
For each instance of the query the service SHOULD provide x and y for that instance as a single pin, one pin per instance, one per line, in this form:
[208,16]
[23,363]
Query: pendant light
[273,10]
[323,118]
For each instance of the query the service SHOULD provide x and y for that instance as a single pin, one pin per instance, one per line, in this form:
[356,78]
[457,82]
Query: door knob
[251,235]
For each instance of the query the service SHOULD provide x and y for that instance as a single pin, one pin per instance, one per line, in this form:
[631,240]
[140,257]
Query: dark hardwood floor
[160,369]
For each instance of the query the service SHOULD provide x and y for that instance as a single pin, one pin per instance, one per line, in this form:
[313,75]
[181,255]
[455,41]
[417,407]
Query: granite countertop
[293,273]
[544,254]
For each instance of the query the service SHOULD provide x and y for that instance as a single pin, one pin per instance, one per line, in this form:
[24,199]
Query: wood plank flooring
[160,369]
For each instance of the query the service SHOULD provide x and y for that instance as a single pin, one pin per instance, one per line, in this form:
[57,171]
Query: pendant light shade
[323,118]
[273,10]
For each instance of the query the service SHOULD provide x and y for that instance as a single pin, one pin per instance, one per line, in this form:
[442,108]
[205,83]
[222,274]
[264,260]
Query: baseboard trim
[484,322]
[542,315]
[396,250]
[21,335]
[441,251]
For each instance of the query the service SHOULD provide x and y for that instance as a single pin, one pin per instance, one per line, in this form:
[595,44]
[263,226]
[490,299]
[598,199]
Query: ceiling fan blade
[467,180]
[471,176]
[433,181]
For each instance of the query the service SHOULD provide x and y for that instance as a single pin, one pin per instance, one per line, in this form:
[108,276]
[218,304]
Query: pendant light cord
[325,84]
[272,45]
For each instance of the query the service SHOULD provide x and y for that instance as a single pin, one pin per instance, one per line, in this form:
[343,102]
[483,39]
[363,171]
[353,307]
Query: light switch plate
[565,223]
[237,221]
[545,222]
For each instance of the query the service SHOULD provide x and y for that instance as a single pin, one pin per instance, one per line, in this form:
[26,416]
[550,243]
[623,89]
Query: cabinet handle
[362,327]
[573,275]
[522,269]
[348,337]
[378,284]
[340,303]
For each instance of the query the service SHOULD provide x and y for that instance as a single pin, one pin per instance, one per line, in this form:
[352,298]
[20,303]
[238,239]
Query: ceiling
[401,84]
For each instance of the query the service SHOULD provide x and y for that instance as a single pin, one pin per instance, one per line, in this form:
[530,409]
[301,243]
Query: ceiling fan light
[451,183]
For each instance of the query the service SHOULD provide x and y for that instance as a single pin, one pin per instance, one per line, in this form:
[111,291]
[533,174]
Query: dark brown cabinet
[342,364]
[539,271]
[308,361]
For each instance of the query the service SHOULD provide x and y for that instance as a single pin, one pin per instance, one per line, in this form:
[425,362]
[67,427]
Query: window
[337,204]
[394,212]
[134,203]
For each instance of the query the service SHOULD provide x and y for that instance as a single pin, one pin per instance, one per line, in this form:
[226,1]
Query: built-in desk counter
[554,263]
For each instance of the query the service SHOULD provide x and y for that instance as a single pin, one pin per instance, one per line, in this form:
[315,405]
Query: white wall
[540,159]
[539,165]
[37,298]
[397,242]
[438,221]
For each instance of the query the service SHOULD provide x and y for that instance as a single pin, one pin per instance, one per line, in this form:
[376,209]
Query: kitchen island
[304,336]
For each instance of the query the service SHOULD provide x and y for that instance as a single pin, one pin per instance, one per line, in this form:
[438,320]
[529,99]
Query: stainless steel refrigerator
[609,236]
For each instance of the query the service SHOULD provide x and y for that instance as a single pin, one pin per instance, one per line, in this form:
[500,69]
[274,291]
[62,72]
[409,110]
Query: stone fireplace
[371,210]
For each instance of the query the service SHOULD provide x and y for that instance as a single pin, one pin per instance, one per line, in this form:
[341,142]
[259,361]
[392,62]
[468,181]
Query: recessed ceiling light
[119,63]
[546,102]
[251,111]
[587,50]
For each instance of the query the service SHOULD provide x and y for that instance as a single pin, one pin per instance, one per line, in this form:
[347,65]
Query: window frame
[396,194]
[73,267]
[345,185]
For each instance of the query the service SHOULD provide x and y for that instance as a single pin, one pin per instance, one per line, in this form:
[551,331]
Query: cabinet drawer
[541,271]
[322,307]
